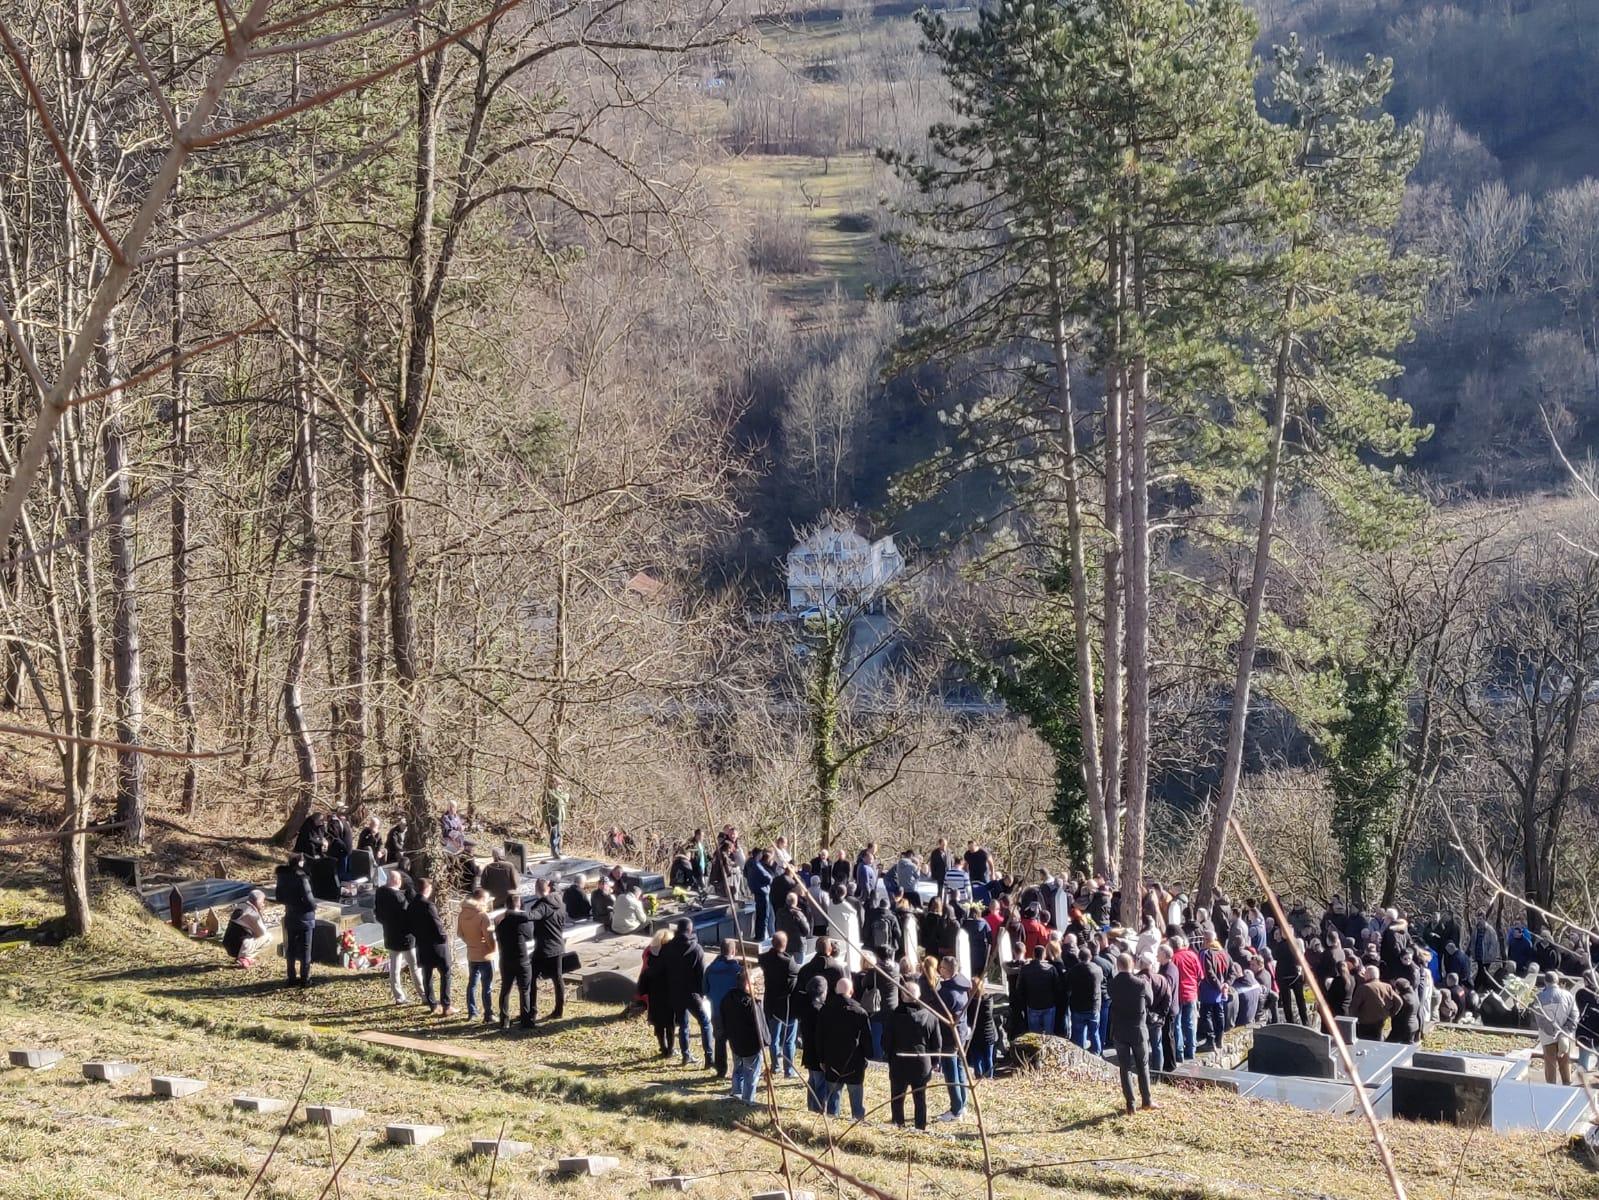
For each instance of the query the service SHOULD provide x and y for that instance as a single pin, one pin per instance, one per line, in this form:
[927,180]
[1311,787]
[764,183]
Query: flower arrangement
[680,895]
[651,904]
[357,956]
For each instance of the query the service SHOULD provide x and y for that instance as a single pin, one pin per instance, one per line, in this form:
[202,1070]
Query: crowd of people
[935,967]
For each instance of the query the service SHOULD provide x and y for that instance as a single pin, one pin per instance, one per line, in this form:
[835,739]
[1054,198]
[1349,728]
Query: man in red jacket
[1189,971]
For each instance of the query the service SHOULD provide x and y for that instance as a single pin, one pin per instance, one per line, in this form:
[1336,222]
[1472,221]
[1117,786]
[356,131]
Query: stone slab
[175,1087]
[609,987]
[332,1114]
[1292,1050]
[1469,1064]
[425,1046]
[259,1104]
[782,1195]
[587,1164]
[34,1059]
[507,1147]
[1452,1097]
[108,1071]
[412,1135]
[673,1183]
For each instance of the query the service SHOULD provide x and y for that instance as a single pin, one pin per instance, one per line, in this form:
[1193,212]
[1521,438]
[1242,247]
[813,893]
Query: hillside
[139,991]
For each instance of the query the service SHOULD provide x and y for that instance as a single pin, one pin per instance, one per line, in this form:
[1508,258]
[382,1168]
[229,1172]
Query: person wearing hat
[1555,1011]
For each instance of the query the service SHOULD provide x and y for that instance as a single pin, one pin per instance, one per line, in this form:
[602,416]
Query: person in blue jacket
[721,977]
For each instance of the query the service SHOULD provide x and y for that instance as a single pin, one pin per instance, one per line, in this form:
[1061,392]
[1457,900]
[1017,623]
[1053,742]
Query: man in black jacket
[780,974]
[1129,1029]
[844,1031]
[549,945]
[793,920]
[391,907]
[299,918]
[432,948]
[744,1025]
[1084,982]
[500,880]
[1035,991]
[909,1038]
[823,963]
[394,844]
[683,959]
[513,934]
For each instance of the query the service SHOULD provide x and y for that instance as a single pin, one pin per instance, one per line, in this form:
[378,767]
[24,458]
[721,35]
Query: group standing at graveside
[936,969]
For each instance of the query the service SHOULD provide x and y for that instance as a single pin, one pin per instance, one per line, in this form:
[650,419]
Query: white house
[836,567]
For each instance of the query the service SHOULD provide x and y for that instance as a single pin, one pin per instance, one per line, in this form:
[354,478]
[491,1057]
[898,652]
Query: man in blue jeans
[846,1043]
[1085,988]
[1189,972]
[780,974]
[953,997]
[1034,990]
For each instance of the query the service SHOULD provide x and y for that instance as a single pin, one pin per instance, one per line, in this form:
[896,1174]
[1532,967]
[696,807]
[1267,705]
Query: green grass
[141,991]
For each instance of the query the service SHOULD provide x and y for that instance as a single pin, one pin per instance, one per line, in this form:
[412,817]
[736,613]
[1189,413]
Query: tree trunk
[1137,542]
[1087,717]
[182,467]
[352,710]
[127,667]
[309,554]
[1115,495]
[1254,602]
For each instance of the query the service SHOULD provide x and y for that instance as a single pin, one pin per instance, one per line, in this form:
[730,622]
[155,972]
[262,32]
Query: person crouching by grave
[299,918]
[432,949]
[247,936]
[392,909]
[628,915]
[655,985]
[549,945]
[475,925]
[1555,1011]
[743,1024]
[1372,1004]
[513,936]
[601,904]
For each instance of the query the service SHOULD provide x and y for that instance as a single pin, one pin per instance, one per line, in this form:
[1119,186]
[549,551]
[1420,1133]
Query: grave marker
[259,1104]
[331,1114]
[1292,1050]
[1453,1097]
[107,1071]
[175,1087]
[587,1164]
[34,1059]
[507,1148]
[412,1135]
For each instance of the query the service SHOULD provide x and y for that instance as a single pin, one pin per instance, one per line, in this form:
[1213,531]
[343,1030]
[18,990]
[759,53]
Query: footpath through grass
[591,1084]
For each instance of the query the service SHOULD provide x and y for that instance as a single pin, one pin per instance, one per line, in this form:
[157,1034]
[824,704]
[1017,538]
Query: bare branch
[145,68]
[343,35]
[166,364]
[73,739]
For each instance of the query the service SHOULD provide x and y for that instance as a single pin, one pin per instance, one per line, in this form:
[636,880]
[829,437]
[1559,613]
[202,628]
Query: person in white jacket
[628,915]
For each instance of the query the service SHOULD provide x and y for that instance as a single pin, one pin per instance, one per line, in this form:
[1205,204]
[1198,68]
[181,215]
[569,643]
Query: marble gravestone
[911,947]
[1453,1097]
[1292,1050]
[963,954]
[1063,910]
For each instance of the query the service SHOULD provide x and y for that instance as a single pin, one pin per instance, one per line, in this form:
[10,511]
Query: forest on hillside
[406,406]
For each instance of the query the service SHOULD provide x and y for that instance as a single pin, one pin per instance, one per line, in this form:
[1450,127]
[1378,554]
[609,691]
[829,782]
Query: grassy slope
[140,991]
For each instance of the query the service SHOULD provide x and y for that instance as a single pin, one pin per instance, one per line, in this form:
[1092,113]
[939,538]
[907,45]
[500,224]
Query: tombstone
[609,987]
[1063,909]
[175,1087]
[121,867]
[108,1071]
[963,954]
[782,1195]
[1453,1097]
[1492,1068]
[361,864]
[331,1114]
[324,873]
[587,1164]
[673,1183]
[504,1147]
[911,948]
[516,854]
[412,1135]
[34,1060]
[1346,1026]
[325,943]
[259,1104]
[1292,1050]
[1003,954]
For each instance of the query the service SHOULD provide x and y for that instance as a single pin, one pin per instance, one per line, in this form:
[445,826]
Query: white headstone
[108,1071]
[412,1135]
[911,948]
[331,1114]
[507,1148]
[1002,947]
[34,1060]
[587,1164]
[175,1087]
[673,1183]
[1063,909]
[963,954]
[844,925]
[259,1104]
